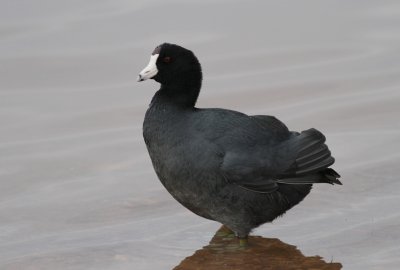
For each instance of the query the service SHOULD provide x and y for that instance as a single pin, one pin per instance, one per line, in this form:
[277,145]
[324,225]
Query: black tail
[327,175]
[312,159]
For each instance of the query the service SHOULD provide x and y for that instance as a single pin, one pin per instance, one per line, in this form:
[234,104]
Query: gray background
[77,190]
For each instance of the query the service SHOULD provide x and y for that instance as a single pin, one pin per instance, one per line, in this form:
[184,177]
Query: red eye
[167,59]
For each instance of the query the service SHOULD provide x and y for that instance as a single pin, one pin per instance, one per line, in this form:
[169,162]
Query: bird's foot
[225,232]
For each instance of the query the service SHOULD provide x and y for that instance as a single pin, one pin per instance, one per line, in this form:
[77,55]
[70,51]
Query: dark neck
[183,93]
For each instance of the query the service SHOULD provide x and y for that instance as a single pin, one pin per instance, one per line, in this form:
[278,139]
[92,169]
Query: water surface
[77,189]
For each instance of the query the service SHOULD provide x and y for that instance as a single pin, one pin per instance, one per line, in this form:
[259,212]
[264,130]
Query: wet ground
[77,189]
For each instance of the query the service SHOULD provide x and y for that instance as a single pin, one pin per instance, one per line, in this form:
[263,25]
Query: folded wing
[303,158]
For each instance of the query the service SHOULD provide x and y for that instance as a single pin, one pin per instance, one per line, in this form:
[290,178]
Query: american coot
[223,165]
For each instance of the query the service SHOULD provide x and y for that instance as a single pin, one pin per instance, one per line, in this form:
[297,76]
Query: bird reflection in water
[223,252]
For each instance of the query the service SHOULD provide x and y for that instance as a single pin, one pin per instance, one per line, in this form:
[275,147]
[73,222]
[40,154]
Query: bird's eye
[167,59]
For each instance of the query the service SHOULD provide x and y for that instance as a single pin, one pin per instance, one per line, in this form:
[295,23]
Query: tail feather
[319,164]
[333,176]
[312,153]
[311,139]
[312,160]
[328,175]
[304,157]
[314,157]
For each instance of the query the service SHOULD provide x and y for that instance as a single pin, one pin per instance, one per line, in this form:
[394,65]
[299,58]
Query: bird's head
[171,64]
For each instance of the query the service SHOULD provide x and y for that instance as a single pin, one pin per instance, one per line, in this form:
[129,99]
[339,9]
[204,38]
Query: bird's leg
[243,241]
[225,232]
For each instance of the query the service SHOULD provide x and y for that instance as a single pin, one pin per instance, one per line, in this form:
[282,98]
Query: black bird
[223,165]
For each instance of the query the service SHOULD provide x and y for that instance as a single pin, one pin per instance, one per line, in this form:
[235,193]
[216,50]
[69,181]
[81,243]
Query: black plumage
[239,170]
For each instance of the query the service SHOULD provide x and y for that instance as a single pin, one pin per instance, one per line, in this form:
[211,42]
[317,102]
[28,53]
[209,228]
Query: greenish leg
[225,232]
[243,242]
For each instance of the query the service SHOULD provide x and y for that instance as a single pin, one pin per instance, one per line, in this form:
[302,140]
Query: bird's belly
[193,187]
[190,195]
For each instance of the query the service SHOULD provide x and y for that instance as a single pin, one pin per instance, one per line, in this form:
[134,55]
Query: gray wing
[251,164]
[291,157]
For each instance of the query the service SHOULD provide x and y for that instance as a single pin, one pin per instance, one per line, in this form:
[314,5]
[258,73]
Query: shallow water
[260,253]
[77,189]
